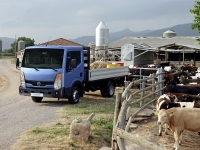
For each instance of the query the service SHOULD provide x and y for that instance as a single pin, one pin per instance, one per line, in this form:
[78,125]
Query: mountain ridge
[180,29]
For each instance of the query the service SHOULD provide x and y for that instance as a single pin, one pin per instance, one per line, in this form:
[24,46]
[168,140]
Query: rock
[146,112]
[105,148]
[133,126]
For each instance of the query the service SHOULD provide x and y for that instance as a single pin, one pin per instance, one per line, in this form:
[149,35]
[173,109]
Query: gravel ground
[19,113]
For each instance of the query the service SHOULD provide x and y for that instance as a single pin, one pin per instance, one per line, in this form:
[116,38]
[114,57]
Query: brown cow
[179,119]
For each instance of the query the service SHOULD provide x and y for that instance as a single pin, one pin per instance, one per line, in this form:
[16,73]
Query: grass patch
[56,135]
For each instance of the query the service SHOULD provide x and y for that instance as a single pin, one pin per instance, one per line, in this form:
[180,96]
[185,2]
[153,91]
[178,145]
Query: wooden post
[142,94]
[136,139]
[116,114]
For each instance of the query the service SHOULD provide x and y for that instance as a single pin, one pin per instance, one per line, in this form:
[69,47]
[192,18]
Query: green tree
[28,42]
[196,12]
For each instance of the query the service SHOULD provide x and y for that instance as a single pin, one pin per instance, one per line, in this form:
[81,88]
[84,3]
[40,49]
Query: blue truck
[64,72]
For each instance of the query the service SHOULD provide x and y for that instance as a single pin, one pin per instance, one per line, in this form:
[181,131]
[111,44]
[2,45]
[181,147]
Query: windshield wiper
[32,67]
[53,68]
[36,68]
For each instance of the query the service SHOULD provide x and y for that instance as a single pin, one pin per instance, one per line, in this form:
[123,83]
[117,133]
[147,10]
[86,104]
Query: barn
[169,47]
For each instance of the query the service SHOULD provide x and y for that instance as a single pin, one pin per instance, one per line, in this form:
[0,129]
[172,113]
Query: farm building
[60,41]
[169,47]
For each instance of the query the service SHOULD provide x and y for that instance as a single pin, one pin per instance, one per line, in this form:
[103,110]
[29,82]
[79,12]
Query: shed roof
[61,41]
[180,47]
[156,41]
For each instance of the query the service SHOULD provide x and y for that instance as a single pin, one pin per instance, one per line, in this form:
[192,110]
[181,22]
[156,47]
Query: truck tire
[75,95]
[103,92]
[37,99]
[108,90]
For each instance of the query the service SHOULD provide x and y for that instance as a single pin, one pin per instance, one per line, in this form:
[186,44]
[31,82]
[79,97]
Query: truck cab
[52,71]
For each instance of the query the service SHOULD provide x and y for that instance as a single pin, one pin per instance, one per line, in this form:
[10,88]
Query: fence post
[142,94]
[116,114]
[153,82]
[160,78]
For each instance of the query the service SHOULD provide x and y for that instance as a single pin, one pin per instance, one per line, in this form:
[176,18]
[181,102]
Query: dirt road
[19,113]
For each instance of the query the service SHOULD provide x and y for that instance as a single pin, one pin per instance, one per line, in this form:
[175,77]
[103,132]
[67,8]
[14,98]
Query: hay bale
[98,64]
[80,130]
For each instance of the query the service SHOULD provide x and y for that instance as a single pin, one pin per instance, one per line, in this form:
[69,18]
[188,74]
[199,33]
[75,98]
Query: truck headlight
[58,81]
[22,80]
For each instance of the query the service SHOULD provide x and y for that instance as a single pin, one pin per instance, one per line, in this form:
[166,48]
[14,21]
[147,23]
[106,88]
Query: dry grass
[98,64]
[56,135]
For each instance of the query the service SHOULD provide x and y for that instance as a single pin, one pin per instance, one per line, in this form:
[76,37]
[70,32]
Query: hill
[181,30]
[6,42]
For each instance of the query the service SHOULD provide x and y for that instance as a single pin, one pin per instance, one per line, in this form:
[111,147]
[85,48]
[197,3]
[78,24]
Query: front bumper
[61,93]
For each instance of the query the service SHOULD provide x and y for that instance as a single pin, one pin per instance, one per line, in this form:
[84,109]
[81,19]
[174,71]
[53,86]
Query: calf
[165,97]
[168,105]
[179,119]
[161,99]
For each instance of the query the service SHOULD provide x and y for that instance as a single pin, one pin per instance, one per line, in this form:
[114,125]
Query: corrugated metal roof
[178,46]
[157,41]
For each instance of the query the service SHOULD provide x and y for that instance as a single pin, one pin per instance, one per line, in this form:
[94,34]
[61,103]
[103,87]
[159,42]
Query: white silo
[102,36]
[0,47]
[21,45]
[169,34]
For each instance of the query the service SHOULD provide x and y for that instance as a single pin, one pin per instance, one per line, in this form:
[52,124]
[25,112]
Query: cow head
[163,116]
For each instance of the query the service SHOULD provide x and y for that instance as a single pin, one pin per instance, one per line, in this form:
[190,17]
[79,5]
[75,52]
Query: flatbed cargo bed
[106,73]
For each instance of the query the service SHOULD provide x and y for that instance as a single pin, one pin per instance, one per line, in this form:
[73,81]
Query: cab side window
[73,55]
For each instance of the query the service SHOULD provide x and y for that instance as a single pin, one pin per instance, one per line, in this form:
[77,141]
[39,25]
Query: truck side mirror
[73,63]
[17,63]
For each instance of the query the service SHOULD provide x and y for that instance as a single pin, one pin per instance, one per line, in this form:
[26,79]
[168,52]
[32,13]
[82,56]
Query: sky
[46,20]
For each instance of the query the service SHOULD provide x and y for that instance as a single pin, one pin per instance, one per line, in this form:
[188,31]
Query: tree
[196,12]
[28,42]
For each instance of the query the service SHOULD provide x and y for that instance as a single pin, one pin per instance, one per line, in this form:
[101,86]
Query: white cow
[179,119]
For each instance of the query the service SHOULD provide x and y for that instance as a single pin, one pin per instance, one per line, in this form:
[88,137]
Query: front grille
[34,83]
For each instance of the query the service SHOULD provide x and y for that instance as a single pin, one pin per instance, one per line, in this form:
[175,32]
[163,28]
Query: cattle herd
[177,108]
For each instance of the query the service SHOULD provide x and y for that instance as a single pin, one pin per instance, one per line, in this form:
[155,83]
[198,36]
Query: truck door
[76,73]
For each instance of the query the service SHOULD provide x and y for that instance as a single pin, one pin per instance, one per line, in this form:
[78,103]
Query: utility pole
[15,48]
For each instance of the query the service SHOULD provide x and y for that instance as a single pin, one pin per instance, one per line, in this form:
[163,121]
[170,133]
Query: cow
[184,80]
[179,119]
[160,100]
[167,105]
[173,78]
[189,89]
[166,97]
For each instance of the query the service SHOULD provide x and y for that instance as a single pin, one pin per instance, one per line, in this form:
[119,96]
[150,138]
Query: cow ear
[155,112]
[171,114]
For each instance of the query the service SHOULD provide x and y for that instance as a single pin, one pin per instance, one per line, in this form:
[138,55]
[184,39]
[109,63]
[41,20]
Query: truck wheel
[110,90]
[103,92]
[74,98]
[37,99]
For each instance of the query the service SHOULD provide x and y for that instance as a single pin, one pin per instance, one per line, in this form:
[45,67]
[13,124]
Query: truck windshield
[43,58]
